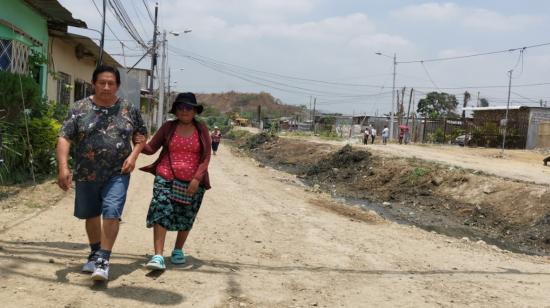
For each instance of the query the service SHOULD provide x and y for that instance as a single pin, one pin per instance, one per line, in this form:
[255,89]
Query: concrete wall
[536,117]
[32,23]
[64,60]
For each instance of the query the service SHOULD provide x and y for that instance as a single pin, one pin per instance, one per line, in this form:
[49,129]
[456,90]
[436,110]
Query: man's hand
[139,138]
[129,164]
[193,187]
[65,178]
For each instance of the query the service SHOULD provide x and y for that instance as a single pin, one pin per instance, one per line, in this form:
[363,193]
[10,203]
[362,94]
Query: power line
[275,74]
[148,12]
[475,55]
[122,16]
[428,74]
[108,27]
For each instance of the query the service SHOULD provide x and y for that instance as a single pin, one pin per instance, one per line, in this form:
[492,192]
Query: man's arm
[64,175]
[130,162]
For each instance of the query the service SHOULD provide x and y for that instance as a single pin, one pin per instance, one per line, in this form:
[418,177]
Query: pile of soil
[462,203]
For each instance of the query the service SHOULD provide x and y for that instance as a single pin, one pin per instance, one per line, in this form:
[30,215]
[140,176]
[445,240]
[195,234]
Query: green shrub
[14,88]
[438,136]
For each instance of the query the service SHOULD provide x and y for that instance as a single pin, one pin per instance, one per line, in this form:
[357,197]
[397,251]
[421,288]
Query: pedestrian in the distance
[385,134]
[100,128]
[372,134]
[181,177]
[366,135]
[216,139]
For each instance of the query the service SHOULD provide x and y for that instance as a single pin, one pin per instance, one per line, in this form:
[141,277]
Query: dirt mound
[454,201]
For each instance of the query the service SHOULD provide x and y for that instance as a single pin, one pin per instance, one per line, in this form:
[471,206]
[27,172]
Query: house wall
[537,136]
[32,23]
[64,60]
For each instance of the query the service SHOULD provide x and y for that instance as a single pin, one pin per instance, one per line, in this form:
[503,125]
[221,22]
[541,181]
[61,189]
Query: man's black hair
[106,69]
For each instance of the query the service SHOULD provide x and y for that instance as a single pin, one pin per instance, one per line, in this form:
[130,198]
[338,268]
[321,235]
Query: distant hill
[247,104]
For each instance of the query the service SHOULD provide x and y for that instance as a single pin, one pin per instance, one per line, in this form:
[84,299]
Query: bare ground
[438,196]
[263,240]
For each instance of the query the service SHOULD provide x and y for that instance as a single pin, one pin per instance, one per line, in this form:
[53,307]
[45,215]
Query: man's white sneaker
[89,267]
[101,272]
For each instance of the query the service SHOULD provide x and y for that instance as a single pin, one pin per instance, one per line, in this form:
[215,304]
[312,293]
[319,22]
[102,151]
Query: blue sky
[334,43]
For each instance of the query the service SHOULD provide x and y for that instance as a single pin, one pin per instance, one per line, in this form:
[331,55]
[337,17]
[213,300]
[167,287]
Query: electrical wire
[475,55]
[148,12]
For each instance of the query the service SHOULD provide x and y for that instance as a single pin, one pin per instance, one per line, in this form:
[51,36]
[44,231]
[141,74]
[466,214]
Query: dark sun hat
[186,98]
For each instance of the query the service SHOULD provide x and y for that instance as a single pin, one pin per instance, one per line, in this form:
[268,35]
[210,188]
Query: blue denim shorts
[101,198]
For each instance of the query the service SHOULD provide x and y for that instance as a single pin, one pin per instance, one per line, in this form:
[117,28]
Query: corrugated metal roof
[494,108]
[58,16]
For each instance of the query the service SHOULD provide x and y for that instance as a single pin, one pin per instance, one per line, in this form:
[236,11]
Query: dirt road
[261,240]
[523,165]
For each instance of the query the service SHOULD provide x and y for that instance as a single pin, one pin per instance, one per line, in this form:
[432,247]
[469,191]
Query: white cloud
[489,20]
[429,11]
[380,41]
[467,17]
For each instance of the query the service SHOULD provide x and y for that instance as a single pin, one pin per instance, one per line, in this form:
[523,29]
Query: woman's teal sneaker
[156,263]
[177,257]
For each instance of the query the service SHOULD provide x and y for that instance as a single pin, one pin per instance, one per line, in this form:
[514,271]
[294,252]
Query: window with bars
[5,55]
[14,56]
[82,89]
[63,88]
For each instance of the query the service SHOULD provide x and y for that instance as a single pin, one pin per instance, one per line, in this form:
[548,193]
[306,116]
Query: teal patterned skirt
[168,214]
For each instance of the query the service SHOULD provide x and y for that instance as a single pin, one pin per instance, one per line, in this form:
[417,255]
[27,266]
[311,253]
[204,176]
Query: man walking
[372,134]
[101,128]
[385,134]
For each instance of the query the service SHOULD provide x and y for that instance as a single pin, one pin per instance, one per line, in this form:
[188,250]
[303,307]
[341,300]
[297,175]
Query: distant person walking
[385,134]
[100,128]
[181,166]
[366,135]
[216,137]
[372,134]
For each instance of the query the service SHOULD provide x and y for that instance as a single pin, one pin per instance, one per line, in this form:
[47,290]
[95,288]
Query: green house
[24,26]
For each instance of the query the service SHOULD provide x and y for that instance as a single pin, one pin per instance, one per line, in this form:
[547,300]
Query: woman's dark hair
[106,69]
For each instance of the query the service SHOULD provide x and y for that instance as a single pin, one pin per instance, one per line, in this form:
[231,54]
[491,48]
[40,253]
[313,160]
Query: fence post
[444,130]
[424,129]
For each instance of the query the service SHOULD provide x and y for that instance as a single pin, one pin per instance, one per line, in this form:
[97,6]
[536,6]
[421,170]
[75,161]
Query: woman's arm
[156,142]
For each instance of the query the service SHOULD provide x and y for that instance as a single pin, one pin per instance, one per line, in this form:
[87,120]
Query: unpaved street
[261,240]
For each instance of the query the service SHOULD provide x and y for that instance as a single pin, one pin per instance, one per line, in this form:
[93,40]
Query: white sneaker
[101,272]
[89,267]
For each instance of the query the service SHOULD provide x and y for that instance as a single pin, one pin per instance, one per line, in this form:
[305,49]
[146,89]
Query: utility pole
[409,108]
[152,79]
[160,112]
[313,120]
[507,108]
[311,109]
[102,43]
[393,96]
[169,99]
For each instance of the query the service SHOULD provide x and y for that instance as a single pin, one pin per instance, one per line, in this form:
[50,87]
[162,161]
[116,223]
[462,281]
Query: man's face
[106,86]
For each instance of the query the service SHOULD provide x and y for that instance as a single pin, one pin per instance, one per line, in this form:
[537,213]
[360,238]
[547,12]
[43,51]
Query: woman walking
[216,138]
[182,166]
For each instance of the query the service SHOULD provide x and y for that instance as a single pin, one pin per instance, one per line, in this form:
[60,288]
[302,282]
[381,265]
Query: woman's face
[185,113]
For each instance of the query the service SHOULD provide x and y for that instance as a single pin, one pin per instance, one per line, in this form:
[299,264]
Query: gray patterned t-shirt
[101,137]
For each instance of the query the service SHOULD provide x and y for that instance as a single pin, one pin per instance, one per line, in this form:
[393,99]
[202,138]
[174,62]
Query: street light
[176,33]
[393,91]
[160,111]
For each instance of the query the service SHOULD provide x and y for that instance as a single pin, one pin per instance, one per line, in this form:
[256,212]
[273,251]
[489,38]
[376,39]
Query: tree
[467,98]
[436,105]
[483,102]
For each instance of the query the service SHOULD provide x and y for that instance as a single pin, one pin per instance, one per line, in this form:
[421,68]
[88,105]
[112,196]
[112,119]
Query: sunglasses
[185,107]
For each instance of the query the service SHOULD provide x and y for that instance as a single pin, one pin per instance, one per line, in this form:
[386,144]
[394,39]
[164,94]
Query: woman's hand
[139,138]
[193,187]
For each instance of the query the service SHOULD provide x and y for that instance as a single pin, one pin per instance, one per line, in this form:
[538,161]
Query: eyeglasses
[185,107]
